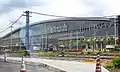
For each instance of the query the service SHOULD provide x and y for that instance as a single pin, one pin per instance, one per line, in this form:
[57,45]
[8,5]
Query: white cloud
[4,2]
[61,7]
[112,7]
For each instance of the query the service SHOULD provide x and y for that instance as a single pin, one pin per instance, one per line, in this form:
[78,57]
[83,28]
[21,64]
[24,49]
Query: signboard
[59,28]
[36,48]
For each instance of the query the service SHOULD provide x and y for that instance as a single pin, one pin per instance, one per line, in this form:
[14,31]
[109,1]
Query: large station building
[71,32]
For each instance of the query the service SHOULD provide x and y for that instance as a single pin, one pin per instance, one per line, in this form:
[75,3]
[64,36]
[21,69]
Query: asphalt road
[10,67]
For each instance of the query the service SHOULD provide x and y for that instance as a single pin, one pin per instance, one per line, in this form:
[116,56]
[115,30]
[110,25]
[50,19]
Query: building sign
[36,48]
[59,28]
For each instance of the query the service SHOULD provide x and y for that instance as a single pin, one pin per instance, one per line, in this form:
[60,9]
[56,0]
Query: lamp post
[11,37]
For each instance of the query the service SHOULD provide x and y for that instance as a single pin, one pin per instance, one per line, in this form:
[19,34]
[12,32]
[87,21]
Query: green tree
[90,41]
[73,42]
[80,42]
[112,39]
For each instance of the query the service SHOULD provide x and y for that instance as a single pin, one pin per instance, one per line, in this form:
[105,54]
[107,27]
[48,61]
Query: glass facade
[58,32]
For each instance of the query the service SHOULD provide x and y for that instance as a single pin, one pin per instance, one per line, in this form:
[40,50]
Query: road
[10,67]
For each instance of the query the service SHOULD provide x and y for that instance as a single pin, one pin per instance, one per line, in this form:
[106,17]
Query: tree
[74,42]
[105,41]
[80,42]
[90,41]
[112,39]
[66,42]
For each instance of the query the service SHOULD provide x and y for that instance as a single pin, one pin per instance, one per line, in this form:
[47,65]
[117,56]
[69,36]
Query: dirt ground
[103,62]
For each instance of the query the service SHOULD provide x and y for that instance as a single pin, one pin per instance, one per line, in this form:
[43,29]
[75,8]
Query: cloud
[103,7]
[11,9]
[70,8]
[24,3]
[112,7]
[9,5]
[96,7]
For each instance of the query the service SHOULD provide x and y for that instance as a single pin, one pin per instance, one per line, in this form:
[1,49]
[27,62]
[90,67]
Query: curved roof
[73,19]
[62,19]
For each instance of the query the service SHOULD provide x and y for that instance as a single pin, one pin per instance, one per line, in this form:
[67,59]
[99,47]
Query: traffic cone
[98,64]
[5,57]
[23,68]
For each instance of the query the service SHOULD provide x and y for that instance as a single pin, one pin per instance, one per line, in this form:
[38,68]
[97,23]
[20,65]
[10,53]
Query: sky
[10,10]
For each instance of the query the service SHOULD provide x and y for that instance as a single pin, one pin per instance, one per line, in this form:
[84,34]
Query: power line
[4,30]
[12,23]
[47,14]
[16,20]
[65,16]
[6,26]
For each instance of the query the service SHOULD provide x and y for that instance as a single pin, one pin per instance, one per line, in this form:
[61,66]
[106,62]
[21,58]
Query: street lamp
[11,37]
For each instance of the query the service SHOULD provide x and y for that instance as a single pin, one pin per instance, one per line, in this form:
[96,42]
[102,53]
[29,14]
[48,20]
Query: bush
[47,54]
[75,50]
[66,50]
[109,66]
[19,51]
[116,62]
[87,53]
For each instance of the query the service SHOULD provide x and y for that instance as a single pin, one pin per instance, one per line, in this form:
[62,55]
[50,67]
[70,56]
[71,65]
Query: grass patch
[16,54]
[109,66]
[19,51]
[114,64]
[47,54]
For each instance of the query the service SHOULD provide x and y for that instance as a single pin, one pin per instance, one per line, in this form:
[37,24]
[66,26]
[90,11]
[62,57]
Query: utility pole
[27,30]
[118,28]
[11,38]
